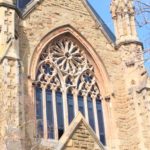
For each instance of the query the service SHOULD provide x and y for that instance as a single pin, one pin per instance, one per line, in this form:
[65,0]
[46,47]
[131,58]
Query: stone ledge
[127,42]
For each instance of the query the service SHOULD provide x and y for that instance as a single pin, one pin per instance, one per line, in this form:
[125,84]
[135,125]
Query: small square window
[22,3]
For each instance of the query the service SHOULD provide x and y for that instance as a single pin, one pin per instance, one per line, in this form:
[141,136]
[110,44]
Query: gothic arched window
[65,84]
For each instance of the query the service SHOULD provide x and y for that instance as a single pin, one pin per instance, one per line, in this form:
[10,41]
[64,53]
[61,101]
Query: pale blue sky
[103,9]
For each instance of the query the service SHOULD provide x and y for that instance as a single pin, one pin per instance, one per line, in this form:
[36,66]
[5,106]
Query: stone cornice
[127,42]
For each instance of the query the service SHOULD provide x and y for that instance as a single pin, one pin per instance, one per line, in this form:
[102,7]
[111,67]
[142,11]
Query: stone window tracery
[65,84]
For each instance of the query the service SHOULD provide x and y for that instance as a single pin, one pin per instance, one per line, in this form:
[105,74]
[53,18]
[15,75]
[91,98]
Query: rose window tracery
[67,85]
[66,54]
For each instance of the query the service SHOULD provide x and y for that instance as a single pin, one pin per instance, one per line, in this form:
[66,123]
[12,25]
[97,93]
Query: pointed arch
[69,101]
[101,72]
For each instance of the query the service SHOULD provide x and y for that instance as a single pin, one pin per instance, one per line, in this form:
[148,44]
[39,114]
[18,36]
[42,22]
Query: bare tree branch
[142,9]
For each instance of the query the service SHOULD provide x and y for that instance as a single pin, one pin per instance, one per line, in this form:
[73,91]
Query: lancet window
[65,84]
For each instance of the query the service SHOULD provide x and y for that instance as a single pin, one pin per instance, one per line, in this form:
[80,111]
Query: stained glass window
[39,111]
[81,104]
[49,109]
[91,113]
[70,107]
[100,121]
[63,65]
[60,117]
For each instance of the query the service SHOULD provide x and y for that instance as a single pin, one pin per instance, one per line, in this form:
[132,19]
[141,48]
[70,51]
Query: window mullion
[44,112]
[96,117]
[55,114]
[86,107]
[71,71]
[65,109]
[75,97]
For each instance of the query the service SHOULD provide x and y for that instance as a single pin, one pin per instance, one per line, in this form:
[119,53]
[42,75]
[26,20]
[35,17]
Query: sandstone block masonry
[117,64]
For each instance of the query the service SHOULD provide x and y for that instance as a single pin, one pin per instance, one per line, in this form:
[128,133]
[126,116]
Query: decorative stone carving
[68,56]
[87,83]
[47,74]
[124,20]
[64,59]
[64,66]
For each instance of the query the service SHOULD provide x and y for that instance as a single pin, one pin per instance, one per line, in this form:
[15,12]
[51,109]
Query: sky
[103,9]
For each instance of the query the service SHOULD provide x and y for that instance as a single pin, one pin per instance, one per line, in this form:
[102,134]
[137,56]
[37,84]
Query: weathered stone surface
[81,139]
[127,105]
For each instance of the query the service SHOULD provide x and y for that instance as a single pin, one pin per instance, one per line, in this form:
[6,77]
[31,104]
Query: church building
[67,82]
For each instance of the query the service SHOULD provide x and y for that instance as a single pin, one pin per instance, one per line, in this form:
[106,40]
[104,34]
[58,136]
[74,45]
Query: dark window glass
[81,104]
[70,107]
[100,121]
[22,3]
[91,113]
[60,113]
[49,109]
[39,111]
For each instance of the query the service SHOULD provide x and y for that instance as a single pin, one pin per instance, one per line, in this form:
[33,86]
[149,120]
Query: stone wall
[81,140]
[11,116]
[143,114]
[52,14]
[127,124]
[11,112]
[48,16]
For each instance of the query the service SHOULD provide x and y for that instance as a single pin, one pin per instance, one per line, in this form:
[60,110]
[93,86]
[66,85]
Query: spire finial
[124,20]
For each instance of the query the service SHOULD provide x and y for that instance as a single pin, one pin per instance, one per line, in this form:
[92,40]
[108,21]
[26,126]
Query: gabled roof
[102,25]
[72,128]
